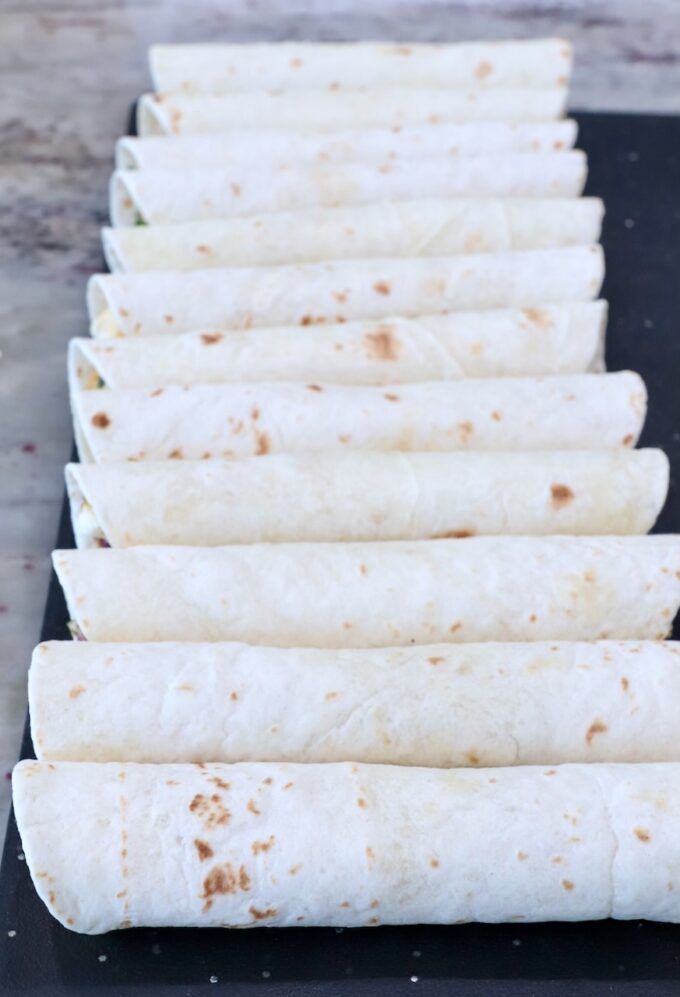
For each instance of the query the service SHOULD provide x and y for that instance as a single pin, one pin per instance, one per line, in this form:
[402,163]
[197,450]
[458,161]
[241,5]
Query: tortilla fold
[225,149]
[365,496]
[167,197]
[224,68]
[442,705]
[167,302]
[202,421]
[404,229]
[388,107]
[349,844]
[378,594]
[554,339]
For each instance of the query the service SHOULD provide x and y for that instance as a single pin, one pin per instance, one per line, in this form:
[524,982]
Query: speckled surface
[69,70]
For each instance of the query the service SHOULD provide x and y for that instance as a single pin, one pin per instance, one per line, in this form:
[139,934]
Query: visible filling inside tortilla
[75,631]
[88,527]
[107,326]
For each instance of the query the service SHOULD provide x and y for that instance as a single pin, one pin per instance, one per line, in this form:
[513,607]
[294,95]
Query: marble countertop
[70,70]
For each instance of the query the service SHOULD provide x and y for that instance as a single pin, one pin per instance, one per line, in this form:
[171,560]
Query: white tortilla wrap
[378,594]
[194,422]
[221,69]
[224,149]
[408,229]
[175,114]
[553,339]
[156,303]
[348,844]
[167,197]
[365,496]
[442,705]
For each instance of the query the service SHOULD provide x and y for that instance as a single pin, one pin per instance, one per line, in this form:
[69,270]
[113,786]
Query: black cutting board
[635,165]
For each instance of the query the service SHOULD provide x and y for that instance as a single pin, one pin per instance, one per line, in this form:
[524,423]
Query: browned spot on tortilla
[361,802]
[561,495]
[340,296]
[642,834]
[455,627]
[235,189]
[382,287]
[435,660]
[100,420]
[243,879]
[373,920]
[233,696]
[402,50]
[483,69]
[453,535]
[627,439]
[557,860]
[391,398]
[345,903]
[331,86]
[596,727]
[434,119]
[331,695]
[294,869]
[557,145]
[209,338]
[288,785]
[204,850]
[624,684]
[254,413]
[169,319]
[222,880]
[220,783]
[210,809]
[538,317]
[522,856]
[314,387]
[76,691]
[567,884]
[434,863]
[263,444]
[203,249]
[175,454]
[363,569]
[296,63]
[344,438]
[370,854]
[465,430]
[260,915]
[252,806]
[472,757]
[268,781]
[171,782]
[382,344]
[263,846]
[385,168]
[551,772]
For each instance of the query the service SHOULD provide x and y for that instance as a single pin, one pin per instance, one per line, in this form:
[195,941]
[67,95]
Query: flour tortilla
[553,339]
[221,69]
[168,302]
[407,228]
[442,705]
[115,846]
[167,197]
[194,422]
[378,594]
[226,149]
[173,114]
[365,496]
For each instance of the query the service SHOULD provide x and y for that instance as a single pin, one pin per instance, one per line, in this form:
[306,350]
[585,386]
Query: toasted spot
[76,691]
[222,880]
[341,296]
[262,846]
[625,684]
[156,393]
[496,416]
[314,387]
[370,855]
[204,850]
[100,420]
[596,727]
[169,319]
[557,860]
[260,915]
[472,757]
[627,439]
[344,438]
[263,444]
[210,810]
[434,863]
[435,660]
[296,63]
[220,783]
[331,695]
[550,772]
[538,317]
[361,802]
[455,627]
[453,535]
[345,903]
[209,338]
[294,869]
[522,856]
[206,250]
[254,413]
[382,344]
[252,806]
[561,495]
[235,189]
[268,781]
[363,569]
[642,834]
[382,287]
[176,454]
[465,430]
[391,398]
[288,785]
[233,696]
[567,885]
[483,69]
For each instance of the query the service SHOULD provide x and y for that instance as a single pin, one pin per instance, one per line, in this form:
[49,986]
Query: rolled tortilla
[378,594]
[194,422]
[225,149]
[553,339]
[156,303]
[348,844]
[408,229]
[167,197]
[174,114]
[441,705]
[222,69]
[365,496]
